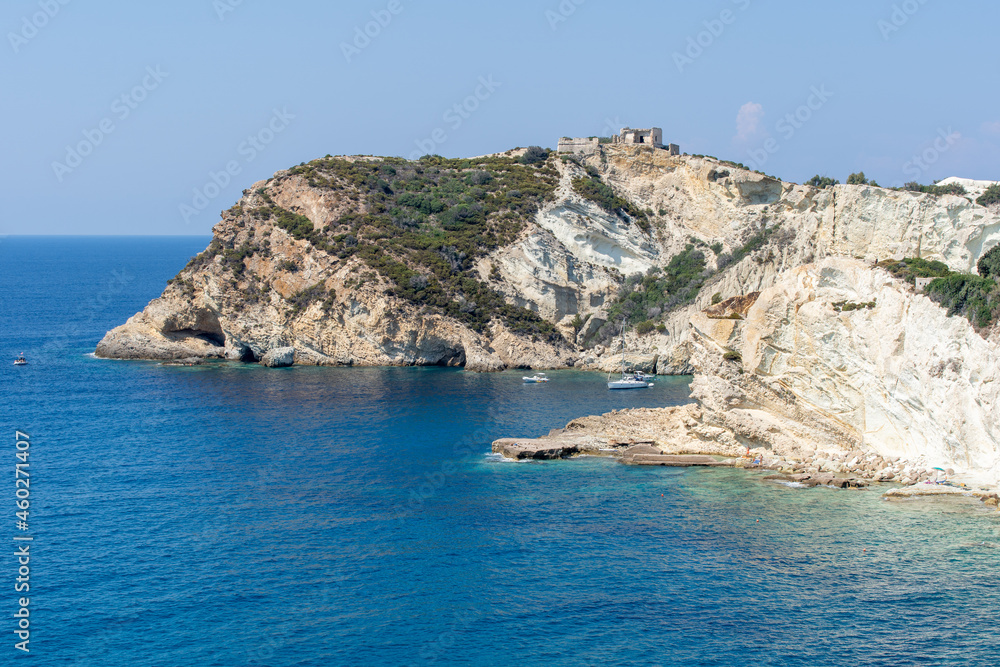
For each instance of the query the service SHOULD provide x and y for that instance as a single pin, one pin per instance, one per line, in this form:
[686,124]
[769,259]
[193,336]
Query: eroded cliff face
[361,325]
[568,261]
[838,356]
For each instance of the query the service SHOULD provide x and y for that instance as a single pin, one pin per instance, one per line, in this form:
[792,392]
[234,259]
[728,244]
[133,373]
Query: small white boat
[637,381]
[634,380]
[537,377]
[21,361]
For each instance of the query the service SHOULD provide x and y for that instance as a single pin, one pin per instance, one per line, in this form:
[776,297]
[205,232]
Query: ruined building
[652,137]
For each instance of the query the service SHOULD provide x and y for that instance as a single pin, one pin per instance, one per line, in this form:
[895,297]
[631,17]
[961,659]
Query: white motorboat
[537,377]
[633,380]
[630,382]
[21,361]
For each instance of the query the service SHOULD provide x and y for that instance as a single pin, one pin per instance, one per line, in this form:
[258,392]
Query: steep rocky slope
[767,291]
[348,261]
[840,356]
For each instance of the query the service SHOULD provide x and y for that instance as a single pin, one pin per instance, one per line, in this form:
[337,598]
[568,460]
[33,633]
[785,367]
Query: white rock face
[899,380]
[874,223]
[572,261]
[568,262]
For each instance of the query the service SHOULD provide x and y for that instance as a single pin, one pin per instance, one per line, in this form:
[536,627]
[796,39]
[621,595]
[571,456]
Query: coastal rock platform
[687,436]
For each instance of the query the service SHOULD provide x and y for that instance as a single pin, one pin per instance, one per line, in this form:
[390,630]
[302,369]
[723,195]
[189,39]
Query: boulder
[280,357]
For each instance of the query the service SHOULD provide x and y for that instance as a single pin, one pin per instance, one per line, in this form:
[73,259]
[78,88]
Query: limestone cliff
[313,258]
[837,369]
[839,356]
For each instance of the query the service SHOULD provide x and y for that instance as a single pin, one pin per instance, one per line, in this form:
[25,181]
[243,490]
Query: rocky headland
[796,308]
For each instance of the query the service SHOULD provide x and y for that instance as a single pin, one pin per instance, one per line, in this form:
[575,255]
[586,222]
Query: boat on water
[21,361]
[633,380]
[536,378]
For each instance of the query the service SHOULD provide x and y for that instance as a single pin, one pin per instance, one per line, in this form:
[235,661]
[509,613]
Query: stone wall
[579,146]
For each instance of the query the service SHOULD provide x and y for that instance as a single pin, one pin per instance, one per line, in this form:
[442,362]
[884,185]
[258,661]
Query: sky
[124,117]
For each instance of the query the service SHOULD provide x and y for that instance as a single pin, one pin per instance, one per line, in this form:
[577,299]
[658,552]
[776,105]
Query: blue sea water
[231,515]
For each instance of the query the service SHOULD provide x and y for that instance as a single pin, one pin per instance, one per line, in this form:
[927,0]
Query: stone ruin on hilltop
[628,136]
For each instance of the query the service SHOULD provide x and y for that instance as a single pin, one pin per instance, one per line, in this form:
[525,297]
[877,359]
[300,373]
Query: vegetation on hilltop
[534,155]
[991,196]
[818,181]
[859,178]
[422,225]
[951,189]
[736,165]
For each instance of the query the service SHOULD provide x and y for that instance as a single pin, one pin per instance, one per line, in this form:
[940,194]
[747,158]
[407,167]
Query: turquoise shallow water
[228,515]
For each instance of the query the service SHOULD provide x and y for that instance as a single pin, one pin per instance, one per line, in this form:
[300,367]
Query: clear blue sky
[886,91]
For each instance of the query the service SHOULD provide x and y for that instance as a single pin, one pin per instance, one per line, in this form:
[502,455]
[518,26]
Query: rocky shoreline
[796,309]
[675,437]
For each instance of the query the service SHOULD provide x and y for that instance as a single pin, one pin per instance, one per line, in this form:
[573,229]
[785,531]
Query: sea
[229,514]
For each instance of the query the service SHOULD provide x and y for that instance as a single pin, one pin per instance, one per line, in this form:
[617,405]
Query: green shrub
[976,298]
[952,189]
[299,226]
[755,242]
[991,196]
[989,264]
[911,268]
[303,299]
[644,328]
[857,179]
[604,196]
[733,356]
[818,181]
[659,293]
[716,298]
[534,155]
